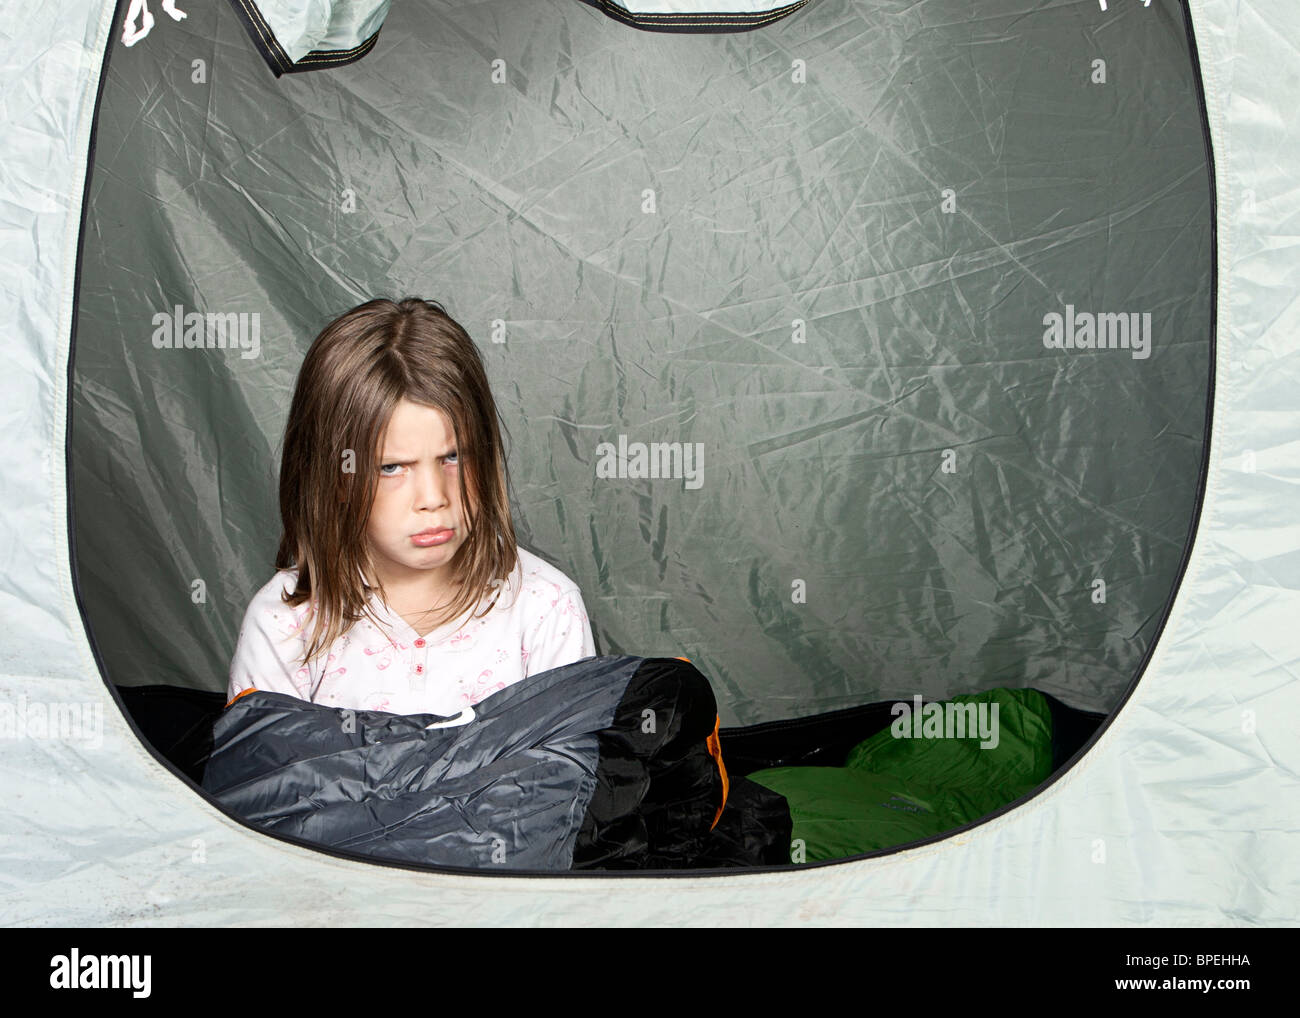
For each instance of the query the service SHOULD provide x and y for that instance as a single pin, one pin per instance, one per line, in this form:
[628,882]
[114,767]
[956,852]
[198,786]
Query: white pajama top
[539,622]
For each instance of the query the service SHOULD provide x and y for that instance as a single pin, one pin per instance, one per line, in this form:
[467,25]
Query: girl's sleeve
[269,653]
[562,637]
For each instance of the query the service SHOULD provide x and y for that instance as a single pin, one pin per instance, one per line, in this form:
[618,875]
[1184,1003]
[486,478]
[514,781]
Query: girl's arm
[269,653]
[561,637]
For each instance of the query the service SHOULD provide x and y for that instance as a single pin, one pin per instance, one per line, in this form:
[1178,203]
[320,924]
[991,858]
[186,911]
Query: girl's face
[418,490]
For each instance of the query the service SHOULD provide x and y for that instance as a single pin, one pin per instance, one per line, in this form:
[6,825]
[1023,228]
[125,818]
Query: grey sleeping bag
[609,762]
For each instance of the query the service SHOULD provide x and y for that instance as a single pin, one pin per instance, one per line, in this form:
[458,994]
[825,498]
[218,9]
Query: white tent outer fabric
[1183,812]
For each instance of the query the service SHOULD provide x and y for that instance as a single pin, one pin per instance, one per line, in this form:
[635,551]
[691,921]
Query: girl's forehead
[417,423]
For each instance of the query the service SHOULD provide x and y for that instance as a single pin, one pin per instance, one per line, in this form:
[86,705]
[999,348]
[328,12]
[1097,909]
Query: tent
[975,320]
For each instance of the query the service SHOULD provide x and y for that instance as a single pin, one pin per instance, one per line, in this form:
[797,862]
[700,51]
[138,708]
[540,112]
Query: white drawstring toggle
[130,34]
[463,718]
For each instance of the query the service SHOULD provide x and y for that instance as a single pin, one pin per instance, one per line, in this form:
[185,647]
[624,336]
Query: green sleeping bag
[937,767]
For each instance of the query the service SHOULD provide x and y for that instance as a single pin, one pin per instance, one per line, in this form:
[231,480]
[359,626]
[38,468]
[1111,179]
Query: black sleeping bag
[607,763]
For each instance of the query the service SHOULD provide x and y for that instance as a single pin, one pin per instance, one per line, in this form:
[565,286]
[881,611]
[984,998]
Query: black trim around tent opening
[739,873]
[702,21]
[274,54]
[263,36]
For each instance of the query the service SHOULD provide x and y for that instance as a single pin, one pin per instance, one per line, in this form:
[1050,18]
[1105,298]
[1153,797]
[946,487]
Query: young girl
[393,497]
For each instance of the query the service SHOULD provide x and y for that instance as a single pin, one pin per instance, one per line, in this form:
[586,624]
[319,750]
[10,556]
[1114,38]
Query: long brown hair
[357,370]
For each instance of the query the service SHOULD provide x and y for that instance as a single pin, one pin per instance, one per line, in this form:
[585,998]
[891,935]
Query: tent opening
[928,295]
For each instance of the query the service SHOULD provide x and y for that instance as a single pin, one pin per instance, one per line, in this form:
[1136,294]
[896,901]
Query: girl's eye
[453,458]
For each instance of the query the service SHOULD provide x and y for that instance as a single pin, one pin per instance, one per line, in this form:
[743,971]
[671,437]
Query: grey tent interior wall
[820,252]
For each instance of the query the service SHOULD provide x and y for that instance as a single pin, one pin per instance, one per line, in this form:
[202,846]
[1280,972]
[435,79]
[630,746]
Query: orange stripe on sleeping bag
[715,751]
[250,689]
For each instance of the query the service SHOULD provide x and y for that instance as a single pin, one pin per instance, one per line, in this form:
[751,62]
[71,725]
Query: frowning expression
[418,489]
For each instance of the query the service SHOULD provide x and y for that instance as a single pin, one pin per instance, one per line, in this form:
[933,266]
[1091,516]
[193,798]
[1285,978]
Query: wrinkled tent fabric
[1183,809]
[888,484]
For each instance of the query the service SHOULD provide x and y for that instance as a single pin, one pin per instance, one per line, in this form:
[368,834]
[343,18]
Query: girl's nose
[431,488]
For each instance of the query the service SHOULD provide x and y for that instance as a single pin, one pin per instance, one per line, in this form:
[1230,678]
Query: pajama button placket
[418,659]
